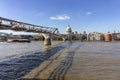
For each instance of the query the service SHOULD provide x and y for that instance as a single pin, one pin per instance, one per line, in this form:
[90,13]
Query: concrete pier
[47,41]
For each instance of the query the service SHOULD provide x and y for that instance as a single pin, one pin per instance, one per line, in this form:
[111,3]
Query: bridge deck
[81,61]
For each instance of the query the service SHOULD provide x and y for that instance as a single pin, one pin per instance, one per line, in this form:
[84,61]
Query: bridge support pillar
[64,40]
[47,40]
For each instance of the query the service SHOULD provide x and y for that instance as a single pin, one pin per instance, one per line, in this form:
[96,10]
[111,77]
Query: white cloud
[60,17]
[88,13]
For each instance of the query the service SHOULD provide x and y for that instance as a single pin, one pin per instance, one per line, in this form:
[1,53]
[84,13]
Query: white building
[95,36]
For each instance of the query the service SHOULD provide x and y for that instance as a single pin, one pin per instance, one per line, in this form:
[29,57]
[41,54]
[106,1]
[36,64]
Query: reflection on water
[47,47]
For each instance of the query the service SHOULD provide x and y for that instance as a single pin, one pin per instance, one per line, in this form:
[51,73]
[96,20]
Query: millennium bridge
[47,32]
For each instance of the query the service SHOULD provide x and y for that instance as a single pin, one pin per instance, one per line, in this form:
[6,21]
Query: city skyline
[81,15]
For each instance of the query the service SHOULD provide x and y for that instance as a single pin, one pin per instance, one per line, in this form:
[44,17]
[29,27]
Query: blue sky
[81,15]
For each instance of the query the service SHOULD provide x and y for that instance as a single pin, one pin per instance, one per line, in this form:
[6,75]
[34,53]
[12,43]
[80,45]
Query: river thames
[68,61]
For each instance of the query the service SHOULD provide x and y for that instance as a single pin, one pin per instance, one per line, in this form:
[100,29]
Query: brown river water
[86,61]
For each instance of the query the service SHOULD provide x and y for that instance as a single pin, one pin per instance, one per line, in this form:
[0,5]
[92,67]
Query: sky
[81,15]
